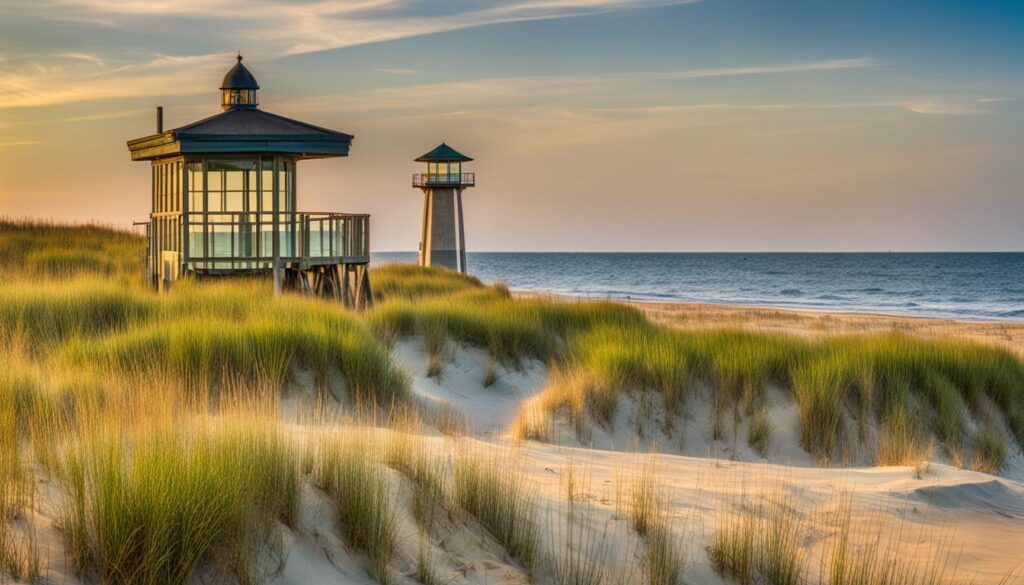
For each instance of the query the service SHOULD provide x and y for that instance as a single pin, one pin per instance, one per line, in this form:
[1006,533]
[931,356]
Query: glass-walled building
[224,197]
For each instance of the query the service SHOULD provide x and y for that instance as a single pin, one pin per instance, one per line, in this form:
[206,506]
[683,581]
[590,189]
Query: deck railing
[443,179]
[245,241]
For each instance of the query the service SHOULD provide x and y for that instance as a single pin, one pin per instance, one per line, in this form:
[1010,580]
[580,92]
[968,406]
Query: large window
[232,203]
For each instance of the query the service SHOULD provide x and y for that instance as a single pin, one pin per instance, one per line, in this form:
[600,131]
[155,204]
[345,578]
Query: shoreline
[811,322]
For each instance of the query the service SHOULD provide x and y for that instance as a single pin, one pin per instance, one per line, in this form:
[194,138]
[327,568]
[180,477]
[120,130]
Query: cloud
[503,92]
[302,26]
[396,71]
[830,65]
[271,27]
[948,108]
[19,143]
[63,78]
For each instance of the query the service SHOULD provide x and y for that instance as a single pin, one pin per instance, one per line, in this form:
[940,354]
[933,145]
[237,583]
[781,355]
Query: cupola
[238,90]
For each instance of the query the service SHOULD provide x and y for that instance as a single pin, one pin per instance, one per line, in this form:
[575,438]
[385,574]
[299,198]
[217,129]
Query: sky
[596,125]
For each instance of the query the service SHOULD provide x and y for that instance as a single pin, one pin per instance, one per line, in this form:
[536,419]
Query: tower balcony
[449,180]
[231,242]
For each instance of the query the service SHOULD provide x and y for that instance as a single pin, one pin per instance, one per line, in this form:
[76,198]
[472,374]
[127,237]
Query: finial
[239,57]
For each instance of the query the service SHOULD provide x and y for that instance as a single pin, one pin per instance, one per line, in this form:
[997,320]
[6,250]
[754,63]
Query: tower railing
[443,179]
[222,240]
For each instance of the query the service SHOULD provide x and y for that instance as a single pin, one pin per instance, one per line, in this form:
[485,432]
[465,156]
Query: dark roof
[253,122]
[239,78]
[243,130]
[444,153]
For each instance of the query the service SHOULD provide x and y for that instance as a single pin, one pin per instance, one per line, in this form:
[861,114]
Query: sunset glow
[596,124]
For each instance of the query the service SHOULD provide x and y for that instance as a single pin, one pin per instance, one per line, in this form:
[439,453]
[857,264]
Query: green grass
[492,489]
[407,281]
[106,383]
[44,249]
[599,351]
[350,470]
[428,474]
[760,431]
[990,448]
[199,334]
[135,521]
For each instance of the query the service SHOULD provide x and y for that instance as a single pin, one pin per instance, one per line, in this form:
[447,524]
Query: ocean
[958,285]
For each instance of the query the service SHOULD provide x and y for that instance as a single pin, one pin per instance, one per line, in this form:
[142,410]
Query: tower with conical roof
[443,239]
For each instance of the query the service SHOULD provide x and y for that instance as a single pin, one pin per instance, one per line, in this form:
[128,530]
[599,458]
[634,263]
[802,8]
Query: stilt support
[348,283]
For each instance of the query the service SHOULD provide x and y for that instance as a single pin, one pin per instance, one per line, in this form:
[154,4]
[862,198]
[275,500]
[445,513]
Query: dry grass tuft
[492,489]
[349,468]
[758,540]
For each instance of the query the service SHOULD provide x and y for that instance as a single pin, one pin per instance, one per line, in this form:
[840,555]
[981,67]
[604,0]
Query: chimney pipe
[159,119]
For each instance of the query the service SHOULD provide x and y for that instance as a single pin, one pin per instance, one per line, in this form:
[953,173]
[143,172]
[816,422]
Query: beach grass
[134,522]
[601,351]
[107,385]
[758,539]
[491,487]
[643,499]
[583,547]
[428,473]
[352,471]
[32,248]
[874,547]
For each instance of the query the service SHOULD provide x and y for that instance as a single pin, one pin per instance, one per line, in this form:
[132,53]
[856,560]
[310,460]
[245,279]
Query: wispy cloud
[950,108]
[36,81]
[396,71]
[302,26]
[270,28]
[828,65]
[495,92]
[19,143]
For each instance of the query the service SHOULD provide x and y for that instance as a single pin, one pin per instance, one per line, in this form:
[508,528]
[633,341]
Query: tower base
[443,240]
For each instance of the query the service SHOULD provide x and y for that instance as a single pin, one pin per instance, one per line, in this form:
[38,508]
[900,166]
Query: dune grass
[990,446]
[352,472]
[582,550]
[492,489]
[46,249]
[876,548]
[758,540]
[641,498]
[600,351]
[136,522]
[199,334]
[107,384]
[19,554]
[760,431]
[411,282]
[428,473]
